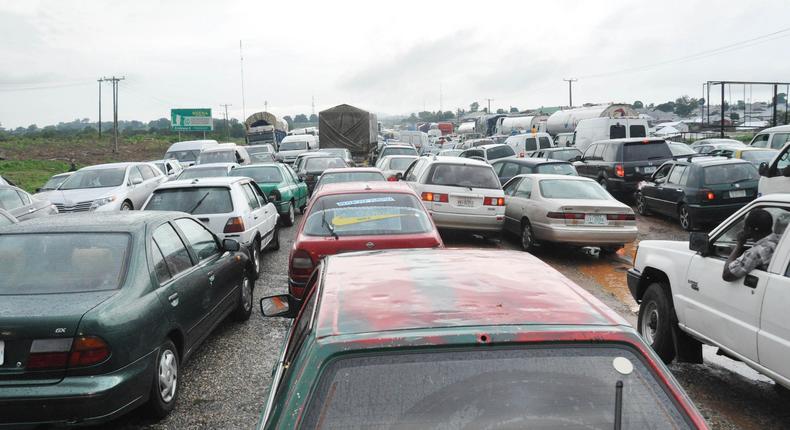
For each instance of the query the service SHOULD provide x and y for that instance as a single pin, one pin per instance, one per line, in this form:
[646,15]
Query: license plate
[2,352]
[737,193]
[464,202]
[650,169]
[595,219]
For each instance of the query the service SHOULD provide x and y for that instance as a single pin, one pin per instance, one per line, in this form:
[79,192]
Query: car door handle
[173,299]
[211,278]
[680,190]
[751,281]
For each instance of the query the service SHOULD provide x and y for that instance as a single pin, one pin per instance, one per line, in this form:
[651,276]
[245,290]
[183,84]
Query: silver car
[566,209]
[107,187]
[22,205]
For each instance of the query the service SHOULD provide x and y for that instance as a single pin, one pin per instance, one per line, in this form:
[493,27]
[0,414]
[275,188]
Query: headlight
[101,202]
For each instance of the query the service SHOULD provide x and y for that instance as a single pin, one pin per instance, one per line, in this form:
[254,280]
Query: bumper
[634,277]
[79,399]
[585,236]
[713,214]
[623,186]
[482,223]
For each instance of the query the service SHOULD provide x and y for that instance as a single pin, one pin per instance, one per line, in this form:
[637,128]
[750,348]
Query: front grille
[79,207]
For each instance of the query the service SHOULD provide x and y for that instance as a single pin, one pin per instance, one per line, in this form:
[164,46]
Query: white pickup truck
[684,301]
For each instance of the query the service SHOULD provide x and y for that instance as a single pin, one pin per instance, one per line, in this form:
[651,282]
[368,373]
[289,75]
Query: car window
[9,199]
[173,248]
[760,141]
[511,187]
[723,244]
[500,152]
[25,197]
[291,172]
[252,201]
[413,170]
[146,171]
[677,174]
[366,214]
[524,189]
[4,220]
[637,131]
[509,170]
[258,193]
[598,155]
[663,171]
[160,266]
[459,175]
[782,161]
[522,170]
[616,131]
[557,169]
[779,140]
[730,173]
[588,154]
[530,144]
[203,242]
[134,175]
[95,178]
[610,153]
[641,151]
[544,142]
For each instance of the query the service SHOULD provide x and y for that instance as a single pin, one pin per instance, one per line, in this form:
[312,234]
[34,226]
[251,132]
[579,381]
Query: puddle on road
[610,275]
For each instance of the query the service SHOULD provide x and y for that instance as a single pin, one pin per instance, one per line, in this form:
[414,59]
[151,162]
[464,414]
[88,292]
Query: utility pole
[227,122]
[570,82]
[243,101]
[115,82]
[489,104]
[312,104]
[100,80]
[440,98]
[266,106]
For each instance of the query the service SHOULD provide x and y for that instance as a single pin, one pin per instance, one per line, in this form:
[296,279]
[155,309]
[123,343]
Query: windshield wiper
[328,226]
[198,203]
[656,157]
[618,405]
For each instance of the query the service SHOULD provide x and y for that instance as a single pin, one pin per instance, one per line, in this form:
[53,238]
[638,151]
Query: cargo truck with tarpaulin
[264,127]
[345,126]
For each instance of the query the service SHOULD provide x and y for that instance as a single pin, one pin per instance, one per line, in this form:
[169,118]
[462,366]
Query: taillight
[565,215]
[393,178]
[494,201]
[234,225]
[435,197]
[301,263]
[57,353]
[87,351]
[619,171]
[621,217]
[709,195]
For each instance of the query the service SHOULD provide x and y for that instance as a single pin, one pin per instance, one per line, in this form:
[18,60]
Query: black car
[313,167]
[619,165]
[564,154]
[506,168]
[699,190]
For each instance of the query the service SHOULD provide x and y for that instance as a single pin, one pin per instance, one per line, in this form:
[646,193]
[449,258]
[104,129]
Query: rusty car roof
[378,291]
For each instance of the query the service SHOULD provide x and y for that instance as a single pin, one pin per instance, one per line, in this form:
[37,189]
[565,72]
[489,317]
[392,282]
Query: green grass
[31,174]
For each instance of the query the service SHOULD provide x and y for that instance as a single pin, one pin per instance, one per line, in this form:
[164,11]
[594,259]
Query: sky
[388,57]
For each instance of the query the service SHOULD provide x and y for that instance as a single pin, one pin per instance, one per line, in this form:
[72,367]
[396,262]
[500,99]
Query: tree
[500,110]
[685,105]
[474,107]
[313,118]
[666,107]
[300,118]
[734,116]
[638,105]
[781,99]
[513,109]
[741,105]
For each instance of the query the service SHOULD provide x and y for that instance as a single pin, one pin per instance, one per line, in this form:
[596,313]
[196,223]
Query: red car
[358,216]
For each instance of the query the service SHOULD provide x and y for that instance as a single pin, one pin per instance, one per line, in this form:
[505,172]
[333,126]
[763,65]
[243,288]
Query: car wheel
[527,237]
[641,205]
[255,259]
[243,311]
[164,389]
[655,322]
[686,221]
[291,217]
[126,206]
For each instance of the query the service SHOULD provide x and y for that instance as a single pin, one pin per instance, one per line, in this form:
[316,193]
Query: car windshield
[367,214]
[572,189]
[652,150]
[398,151]
[48,263]
[757,157]
[460,175]
[205,172]
[500,152]
[194,200]
[183,156]
[293,145]
[161,166]
[261,175]
[319,164]
[556,169]
[400,163]
[570,387]
[730,173]
[54,182]
[95,178]
[680,149]
[228,156]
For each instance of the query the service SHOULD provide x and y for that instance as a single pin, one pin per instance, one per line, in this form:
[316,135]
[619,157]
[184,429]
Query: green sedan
[280,183]
[99,311]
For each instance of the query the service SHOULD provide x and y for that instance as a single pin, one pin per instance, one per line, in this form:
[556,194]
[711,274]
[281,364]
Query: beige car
[571,210]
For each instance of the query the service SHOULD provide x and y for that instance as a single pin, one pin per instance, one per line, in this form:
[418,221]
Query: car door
[11,201]
[727,313]
[184,288]
[33,208]
[512,207]
[253,214]
[651,191]
[584,166]
[518,203]
[300,188]
[136,188]
[270,215]
[672,190]
[773,339]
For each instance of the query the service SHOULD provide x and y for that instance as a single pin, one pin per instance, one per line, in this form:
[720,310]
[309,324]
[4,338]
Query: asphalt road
[225,383]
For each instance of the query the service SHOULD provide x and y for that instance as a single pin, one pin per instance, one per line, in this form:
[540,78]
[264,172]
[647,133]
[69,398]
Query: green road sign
[191,120]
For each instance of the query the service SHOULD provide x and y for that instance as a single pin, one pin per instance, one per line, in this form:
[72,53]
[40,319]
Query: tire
[527,237]
[685,218]
[641,205]
[165,386]
[302,209]
[244,309]
[289,219]
[656,322]
[126,206]
[255,259]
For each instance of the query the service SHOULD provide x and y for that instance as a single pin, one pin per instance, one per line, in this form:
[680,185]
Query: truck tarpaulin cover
[348,127]
[259,119]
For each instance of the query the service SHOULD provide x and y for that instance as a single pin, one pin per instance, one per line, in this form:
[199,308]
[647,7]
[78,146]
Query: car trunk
[460,200]
[318,247]
[53,319]
[594,213]
[729,194]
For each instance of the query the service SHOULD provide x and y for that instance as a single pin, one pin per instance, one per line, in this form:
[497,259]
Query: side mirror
[137,181]
[763,169]
[283,305]
[230,245]
[576,158]
[698,242]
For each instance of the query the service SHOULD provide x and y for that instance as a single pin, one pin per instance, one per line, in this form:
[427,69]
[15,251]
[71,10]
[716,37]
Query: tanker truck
[565,121]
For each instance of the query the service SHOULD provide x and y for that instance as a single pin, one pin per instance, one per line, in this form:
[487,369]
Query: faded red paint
[411,289]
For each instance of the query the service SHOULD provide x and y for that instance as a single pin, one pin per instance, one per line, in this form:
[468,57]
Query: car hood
[46,315]
[71,197]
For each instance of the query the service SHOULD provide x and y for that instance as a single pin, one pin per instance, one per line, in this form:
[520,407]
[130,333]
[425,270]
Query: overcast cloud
[388,57]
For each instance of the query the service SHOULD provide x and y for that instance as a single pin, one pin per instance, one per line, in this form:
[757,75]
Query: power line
[45,87]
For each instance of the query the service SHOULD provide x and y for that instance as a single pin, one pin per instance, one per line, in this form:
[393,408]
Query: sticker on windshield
[340,221]
[364,201]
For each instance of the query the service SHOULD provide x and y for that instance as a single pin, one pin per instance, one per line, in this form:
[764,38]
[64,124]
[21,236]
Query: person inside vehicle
[758,226]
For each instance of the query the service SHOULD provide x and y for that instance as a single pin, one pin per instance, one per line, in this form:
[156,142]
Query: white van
[417,139]
[595,129]
[224,153]
[292,146]
[525,143]
[563,139]
[775,176]
[773,137]
[187,152]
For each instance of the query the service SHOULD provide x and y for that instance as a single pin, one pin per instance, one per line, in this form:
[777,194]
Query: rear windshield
[401,163]
[293,146]
[261,175]
[319,164]
[208,172]
[367,214]
[757,157]
[95,178]
[264,149]
[638,151]
[398,151]
[568,387]
[565,154]
[334,178]
[568,189]
[197,201]
[500,152]
[730,174]
[184,156]
[217,157]
[62,262]
[335,151]
[459,175]
[556,169]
